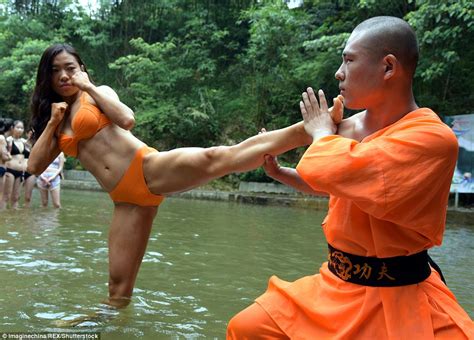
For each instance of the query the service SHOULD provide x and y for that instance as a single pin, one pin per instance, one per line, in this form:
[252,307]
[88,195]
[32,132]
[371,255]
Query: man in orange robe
[387,171]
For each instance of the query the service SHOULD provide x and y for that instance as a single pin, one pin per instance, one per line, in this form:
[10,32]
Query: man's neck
[391,110]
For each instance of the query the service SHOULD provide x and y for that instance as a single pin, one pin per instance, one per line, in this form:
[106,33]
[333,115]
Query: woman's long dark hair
[44,95]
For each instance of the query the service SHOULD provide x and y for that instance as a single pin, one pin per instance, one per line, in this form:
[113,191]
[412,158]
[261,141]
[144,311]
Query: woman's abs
[17,162]
[108,156]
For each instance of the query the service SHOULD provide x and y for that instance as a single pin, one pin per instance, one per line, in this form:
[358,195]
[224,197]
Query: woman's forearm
[44,151]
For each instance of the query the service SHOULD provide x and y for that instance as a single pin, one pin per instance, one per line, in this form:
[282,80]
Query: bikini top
[16,151]
[87,121]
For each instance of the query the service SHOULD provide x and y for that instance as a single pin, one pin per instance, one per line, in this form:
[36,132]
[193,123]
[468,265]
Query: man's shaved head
[390,35]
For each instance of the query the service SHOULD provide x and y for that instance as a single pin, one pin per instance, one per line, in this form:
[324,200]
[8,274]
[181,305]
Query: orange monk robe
[388,197]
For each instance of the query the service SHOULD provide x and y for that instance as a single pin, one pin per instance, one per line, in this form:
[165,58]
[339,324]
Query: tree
[445,31]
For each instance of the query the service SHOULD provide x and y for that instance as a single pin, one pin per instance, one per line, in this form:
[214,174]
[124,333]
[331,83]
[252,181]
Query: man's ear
[391,65]
[83,69]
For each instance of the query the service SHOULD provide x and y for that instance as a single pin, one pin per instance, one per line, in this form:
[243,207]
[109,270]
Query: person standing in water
[29,180]
[49,182]
[71,114]
[5,125]
[15,166]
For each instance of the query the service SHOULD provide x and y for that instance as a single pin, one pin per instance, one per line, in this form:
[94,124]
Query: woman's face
[63,67]
[18,130]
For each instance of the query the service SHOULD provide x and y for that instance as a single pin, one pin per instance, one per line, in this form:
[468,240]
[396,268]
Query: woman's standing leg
[56,197]
[29,184]
[7,190]
[2,182]
[15,195]
[44,197]
[128,238]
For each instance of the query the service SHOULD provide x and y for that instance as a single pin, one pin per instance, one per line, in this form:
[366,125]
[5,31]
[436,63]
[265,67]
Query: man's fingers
[313,100]
[304,113]
[307,103]
[322,101]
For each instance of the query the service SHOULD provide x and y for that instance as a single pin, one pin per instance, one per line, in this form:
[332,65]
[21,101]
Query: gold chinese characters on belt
[344,268]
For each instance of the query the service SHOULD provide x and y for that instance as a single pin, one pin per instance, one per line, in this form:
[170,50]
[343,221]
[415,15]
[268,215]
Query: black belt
[380,272]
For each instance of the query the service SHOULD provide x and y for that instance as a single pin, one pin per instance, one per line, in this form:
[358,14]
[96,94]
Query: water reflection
[205,261]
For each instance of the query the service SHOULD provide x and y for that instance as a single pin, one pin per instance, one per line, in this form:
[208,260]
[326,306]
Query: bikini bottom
[15,173]
[26,175]
[132,187]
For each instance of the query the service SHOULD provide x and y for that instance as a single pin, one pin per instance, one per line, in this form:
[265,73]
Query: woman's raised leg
[185,168]
[128,238]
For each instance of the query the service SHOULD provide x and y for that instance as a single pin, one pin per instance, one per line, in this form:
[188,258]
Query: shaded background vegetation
[200,73]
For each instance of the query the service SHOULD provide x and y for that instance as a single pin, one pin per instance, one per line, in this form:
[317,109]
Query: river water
[205,262]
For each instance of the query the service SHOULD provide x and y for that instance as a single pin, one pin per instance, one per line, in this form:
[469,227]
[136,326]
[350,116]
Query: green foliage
[268,65]
[17,75]
[445,31]
[171,111]
[259,174]
[72,163]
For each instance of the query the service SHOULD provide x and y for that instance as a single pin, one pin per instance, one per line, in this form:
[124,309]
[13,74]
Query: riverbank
[254,193]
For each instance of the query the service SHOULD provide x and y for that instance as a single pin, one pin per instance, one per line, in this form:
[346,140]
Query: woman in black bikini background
[15,167]
[5,124]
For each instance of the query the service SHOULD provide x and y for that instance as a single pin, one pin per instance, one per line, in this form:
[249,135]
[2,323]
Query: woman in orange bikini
[89,122]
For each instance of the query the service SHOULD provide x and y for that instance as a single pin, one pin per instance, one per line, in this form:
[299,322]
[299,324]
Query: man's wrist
[320,133]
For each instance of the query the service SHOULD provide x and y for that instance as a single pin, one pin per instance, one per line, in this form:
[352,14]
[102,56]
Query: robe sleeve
[398,170]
